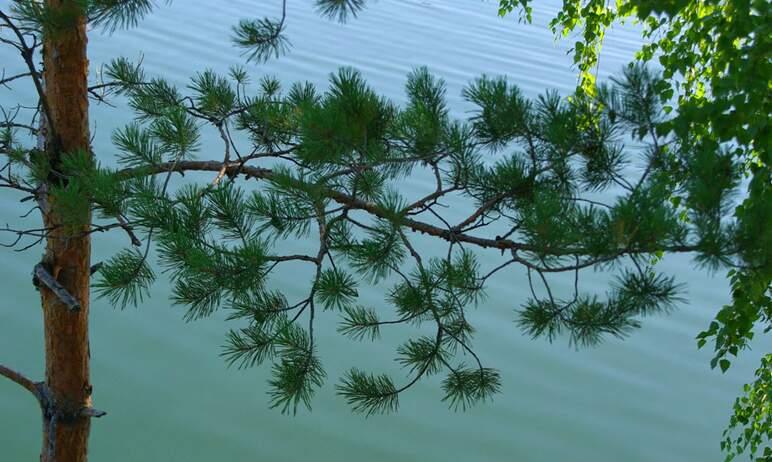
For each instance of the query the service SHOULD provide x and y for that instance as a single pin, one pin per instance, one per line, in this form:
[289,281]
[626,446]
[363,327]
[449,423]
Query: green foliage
[214,95]
[378,254]
[256,343]
[340,10]
[753,417]
[280,215]
[72,198]
[176,132]
[226,209]
[118,14]
[421,355]
[124,73]
[137,147]
[734,325]
[88,187]
[426,116]
[369,394]
[331,163]
[249,346]
[125,279]
[648,292]
[503,111]
[261,39]
[335,289]
[350,123]
[360,323]
[40,17]
[716,67]
[412,301]
[460,276]
[507,6]
[153,98]
[587,319]
[327,167]
[110,15]
[466,387]
[298,373]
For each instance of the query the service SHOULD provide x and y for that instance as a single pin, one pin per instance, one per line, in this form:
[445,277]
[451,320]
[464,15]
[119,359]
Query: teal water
[170,397]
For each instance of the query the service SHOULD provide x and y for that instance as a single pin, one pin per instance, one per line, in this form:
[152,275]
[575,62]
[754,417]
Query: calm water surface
[171,398]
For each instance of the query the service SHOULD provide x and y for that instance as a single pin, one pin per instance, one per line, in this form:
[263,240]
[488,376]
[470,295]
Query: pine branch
[237,168]
[337,161]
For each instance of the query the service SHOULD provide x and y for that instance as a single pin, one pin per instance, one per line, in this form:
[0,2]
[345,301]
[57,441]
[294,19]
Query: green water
[170,397]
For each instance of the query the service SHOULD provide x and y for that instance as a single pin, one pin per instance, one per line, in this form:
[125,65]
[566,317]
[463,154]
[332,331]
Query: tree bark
[68,248]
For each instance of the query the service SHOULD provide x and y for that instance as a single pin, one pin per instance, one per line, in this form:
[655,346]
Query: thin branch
[227,157]
[481,210]
[128,229]
[22,380]
[284,258]
[27,54]
[6,80]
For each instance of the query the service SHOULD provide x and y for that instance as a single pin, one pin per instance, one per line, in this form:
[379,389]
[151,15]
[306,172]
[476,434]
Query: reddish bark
[68,248]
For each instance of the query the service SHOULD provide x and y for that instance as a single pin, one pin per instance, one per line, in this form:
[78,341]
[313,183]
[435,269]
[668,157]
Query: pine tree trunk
[68,249]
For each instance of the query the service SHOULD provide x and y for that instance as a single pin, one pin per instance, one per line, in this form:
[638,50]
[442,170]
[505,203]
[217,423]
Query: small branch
[20,379]
[126,227]
[26,127]
[94,268]
[42,275]
[226,158]
[283,258]
[27,53]
[480,211]
[428,200]
[6,80]
[91,412]
[39,233]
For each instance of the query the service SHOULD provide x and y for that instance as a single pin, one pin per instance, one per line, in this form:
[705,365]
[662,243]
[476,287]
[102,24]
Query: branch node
[91,412]
[42,276]
[95,267]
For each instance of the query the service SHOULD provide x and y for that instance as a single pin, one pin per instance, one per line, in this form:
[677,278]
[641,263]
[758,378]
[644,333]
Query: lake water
[169,395]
